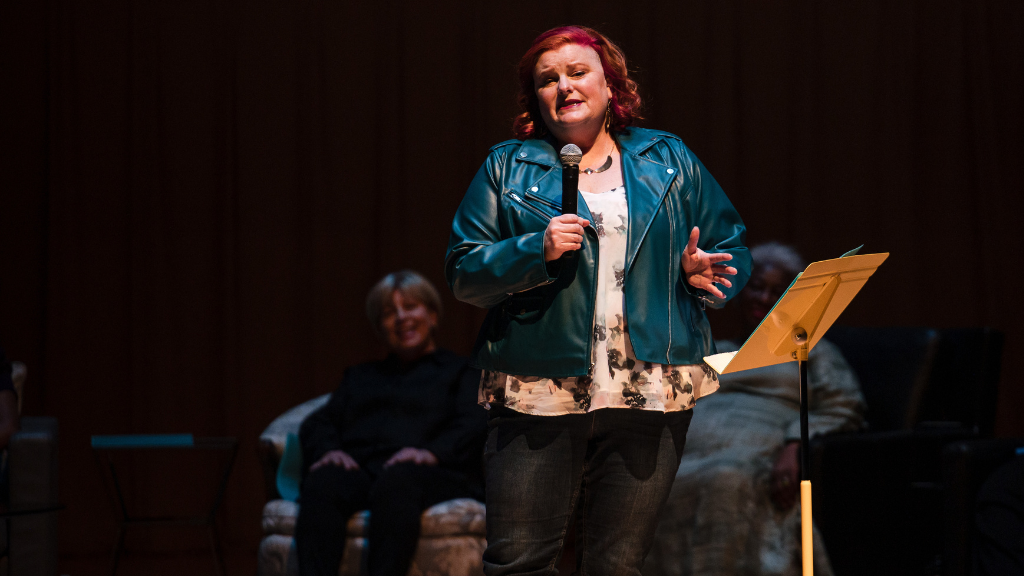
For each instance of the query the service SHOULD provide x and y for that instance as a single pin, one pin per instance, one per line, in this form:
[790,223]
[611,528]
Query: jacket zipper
[556,207]
[530,207]
[593,314]
[671,285]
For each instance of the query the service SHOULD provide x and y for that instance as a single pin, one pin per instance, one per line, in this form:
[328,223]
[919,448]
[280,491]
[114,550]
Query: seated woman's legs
[534,465]
[630,467]
[397,500]
[329,497]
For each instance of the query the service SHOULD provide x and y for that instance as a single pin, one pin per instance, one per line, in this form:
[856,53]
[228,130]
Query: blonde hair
[407,282]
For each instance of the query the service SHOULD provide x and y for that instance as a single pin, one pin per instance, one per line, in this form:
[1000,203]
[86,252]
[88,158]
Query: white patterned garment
[617,379]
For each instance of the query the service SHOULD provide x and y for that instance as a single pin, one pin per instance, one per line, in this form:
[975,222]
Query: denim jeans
[615,464]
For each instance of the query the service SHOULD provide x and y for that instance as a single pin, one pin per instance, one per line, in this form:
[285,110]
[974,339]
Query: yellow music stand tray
[795,324]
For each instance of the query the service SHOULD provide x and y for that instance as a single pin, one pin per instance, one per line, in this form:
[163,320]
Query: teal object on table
[289,471]
[143,441]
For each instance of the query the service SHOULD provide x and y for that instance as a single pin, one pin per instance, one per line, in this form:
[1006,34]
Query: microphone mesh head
[570,155]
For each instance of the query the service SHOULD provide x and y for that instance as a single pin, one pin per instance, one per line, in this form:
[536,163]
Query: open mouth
[570,104]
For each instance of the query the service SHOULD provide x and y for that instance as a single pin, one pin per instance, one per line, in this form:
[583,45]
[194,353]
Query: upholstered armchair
[451,538]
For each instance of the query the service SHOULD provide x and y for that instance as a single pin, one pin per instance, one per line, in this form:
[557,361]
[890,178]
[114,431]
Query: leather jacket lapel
[547,189]
[646,183]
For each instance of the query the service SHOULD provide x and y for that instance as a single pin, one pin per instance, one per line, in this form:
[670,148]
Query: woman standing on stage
[591,362]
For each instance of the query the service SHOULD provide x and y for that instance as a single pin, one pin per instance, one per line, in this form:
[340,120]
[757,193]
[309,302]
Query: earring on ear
[608,116]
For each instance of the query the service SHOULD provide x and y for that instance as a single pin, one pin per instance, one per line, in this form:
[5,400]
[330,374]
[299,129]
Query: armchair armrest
[32,461]
[32,468]
[273,438]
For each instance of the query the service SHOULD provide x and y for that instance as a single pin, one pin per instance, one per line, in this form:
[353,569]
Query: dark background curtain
[197,195]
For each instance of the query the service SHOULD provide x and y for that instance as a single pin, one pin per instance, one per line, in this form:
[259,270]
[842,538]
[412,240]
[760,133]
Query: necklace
[607,164]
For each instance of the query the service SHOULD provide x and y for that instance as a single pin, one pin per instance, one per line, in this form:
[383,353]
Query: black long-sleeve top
[384,406]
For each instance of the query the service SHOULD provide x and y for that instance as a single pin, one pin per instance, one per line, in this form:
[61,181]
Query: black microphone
[570,157]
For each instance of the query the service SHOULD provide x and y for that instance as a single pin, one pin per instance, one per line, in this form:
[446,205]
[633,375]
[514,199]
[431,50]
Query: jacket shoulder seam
[505,144]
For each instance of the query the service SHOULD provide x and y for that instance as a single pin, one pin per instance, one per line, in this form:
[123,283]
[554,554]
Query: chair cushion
[276,556]
[463,516]
[279,517]
[454,517]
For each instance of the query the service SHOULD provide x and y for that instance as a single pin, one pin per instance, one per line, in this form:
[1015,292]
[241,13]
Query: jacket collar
[542,151]
[646,181]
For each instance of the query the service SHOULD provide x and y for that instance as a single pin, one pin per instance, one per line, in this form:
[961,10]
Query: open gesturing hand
[704,270]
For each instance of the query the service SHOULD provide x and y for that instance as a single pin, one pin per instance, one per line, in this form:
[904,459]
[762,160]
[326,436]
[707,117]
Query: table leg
[211,519]
[118,545]
[215,546]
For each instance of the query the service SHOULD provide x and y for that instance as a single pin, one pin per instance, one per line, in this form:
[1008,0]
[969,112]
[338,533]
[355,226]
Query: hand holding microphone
[565,233]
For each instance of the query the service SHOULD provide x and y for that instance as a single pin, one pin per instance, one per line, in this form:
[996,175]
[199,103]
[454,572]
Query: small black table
[110,444]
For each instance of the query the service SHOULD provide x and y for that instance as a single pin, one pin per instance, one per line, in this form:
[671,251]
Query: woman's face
[767,284]
[571,90]
[408,326]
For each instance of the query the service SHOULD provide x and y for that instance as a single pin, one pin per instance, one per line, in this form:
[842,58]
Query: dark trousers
[396,499]
[615,465]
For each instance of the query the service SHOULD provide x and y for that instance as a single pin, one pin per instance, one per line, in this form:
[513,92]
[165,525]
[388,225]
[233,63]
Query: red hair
[625,102]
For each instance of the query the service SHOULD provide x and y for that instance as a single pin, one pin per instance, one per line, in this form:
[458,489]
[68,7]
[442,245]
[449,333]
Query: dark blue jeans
[616,465]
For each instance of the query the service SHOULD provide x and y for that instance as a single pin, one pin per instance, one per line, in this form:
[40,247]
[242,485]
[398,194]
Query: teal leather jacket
[541,318]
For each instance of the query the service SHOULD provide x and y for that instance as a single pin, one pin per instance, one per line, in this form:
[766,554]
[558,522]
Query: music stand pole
[806,522]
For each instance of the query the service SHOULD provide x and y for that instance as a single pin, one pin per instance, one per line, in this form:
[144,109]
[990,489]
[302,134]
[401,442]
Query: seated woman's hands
[785,476]
[415,455]
[336,458]
[703,270]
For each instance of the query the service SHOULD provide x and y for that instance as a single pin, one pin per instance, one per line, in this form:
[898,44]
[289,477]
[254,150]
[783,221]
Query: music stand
[795,324]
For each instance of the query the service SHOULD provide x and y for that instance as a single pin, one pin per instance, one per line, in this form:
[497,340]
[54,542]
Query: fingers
[564,233]
[415,455]
[719,257]
[718,269]
[714,290]
[403,455]
[425,458]
[336,458]
[698,281]
[691,246]
[570,219]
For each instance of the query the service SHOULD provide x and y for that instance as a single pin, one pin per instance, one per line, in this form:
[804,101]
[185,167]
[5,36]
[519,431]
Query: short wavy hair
[777,255]
[625,103]
[410,284]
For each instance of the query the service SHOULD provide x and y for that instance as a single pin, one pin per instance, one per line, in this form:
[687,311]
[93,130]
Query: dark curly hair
[625,102]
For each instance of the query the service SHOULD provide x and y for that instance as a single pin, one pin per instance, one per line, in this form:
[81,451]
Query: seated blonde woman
[733,508]
[398,436]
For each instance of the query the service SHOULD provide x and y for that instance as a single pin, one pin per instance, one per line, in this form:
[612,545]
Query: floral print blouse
[617,379]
